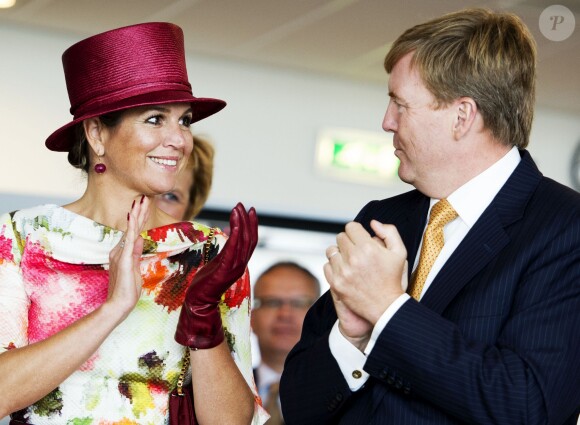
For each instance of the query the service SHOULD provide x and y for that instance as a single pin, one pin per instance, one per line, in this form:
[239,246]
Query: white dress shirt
[266,376]
[470,201]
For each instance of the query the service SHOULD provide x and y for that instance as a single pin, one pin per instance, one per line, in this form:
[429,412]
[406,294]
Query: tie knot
[442,213]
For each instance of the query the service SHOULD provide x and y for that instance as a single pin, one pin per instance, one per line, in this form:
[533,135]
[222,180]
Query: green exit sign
[357,156]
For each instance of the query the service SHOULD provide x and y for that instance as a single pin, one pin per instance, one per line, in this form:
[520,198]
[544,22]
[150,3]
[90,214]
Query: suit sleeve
[313,389]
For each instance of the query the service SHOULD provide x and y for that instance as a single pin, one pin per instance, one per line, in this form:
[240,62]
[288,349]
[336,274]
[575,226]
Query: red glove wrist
[200,323]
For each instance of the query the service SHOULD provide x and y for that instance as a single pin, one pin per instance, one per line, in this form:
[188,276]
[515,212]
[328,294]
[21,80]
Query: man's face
[422,134]
[282,298]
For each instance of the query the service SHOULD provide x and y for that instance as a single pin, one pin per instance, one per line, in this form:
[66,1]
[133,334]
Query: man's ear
[466,111]
[93,129]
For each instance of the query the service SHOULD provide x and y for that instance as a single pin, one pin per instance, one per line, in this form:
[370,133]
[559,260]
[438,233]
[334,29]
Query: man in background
[282,295]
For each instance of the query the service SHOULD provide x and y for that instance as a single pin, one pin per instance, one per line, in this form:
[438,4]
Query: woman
[99,297]
[193,185]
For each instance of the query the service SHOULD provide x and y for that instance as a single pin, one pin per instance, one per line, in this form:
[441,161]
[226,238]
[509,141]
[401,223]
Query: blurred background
[301,137]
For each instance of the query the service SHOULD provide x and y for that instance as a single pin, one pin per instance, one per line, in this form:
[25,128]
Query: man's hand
[353,327]
[366,274]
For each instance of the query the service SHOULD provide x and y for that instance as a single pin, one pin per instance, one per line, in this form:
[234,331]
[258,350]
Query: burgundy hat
[132,66]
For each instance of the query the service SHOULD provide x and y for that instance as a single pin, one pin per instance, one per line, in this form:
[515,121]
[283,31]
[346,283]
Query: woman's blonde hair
[201,165]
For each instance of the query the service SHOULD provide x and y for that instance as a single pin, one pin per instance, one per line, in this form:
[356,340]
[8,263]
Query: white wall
[265,137]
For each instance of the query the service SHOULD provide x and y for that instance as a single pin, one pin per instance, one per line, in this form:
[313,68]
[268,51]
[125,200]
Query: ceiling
[344,38]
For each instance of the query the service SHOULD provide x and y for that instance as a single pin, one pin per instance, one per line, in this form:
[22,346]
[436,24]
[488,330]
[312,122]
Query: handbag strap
[207,245]
[184,367]
[186,358]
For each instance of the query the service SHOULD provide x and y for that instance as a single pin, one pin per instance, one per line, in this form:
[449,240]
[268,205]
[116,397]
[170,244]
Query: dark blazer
[494,340]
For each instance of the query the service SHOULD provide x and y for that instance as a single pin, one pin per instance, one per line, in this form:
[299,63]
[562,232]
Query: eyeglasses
[276,303]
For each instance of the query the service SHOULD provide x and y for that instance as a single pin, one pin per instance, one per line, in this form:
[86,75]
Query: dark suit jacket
[494,340]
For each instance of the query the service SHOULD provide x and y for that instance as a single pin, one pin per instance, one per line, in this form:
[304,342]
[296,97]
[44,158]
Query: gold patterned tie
[433,241]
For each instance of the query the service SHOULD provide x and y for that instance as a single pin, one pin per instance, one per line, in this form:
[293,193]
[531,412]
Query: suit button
[338,397]
[383,374]
[399,383]
[390,380]
[356,374]
[407,390]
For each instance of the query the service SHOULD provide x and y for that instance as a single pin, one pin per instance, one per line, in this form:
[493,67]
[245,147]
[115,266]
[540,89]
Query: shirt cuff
[349,358]
[384,320]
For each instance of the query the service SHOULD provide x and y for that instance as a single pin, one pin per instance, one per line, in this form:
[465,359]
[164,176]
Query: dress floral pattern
[54,270]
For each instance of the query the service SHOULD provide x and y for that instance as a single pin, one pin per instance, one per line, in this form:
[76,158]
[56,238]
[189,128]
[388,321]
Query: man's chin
[404,176]
[285,345]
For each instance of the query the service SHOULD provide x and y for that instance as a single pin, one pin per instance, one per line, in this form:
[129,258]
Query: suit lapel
[411,229]
[487,237]
[483,242]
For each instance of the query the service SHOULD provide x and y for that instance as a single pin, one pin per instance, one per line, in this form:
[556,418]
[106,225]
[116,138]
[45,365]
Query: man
[282,295]
[488,333]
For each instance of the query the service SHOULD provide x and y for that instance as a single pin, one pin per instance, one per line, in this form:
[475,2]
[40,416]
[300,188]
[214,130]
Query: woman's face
[176,201]
[149,147]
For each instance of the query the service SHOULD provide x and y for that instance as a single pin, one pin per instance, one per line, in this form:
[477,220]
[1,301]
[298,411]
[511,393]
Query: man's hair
[487,56]
[295,266]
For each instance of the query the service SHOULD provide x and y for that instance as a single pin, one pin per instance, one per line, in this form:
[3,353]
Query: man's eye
[400,106]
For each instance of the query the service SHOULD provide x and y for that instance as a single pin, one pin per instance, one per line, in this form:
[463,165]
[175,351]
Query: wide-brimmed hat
[137,65]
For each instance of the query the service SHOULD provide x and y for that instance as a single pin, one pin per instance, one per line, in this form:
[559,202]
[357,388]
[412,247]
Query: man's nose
[390,119]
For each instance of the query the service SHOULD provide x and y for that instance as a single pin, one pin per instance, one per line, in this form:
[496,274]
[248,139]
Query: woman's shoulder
[50,218]
[32,216]
[35,211]
[64,235]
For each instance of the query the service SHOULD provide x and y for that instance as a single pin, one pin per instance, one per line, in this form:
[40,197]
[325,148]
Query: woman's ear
[466,111]
[93,129]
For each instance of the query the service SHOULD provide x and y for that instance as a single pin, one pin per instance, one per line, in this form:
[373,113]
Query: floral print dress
[54,271]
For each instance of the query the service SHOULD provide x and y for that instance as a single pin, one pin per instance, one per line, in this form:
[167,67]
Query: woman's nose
[178,137]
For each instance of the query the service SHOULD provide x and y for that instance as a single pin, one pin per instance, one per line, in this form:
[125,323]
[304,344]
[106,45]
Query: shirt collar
[266,375]
[471,199]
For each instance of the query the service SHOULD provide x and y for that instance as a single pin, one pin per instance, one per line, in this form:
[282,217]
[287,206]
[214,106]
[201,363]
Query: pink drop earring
[100,168]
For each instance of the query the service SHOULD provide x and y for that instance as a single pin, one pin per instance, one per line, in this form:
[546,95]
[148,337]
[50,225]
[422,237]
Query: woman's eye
[186,121]
[170,197]
[156,119]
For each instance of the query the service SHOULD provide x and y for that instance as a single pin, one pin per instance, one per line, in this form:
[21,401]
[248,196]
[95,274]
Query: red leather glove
[200,324]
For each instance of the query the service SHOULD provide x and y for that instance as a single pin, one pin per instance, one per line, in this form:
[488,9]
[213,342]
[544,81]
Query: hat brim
[63,139]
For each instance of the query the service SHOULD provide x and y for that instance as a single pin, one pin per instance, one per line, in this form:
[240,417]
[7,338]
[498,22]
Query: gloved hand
[200,324]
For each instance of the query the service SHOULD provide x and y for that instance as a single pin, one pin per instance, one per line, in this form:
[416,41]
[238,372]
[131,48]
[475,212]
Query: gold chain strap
[184,368]
[186,357]
[207,245]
